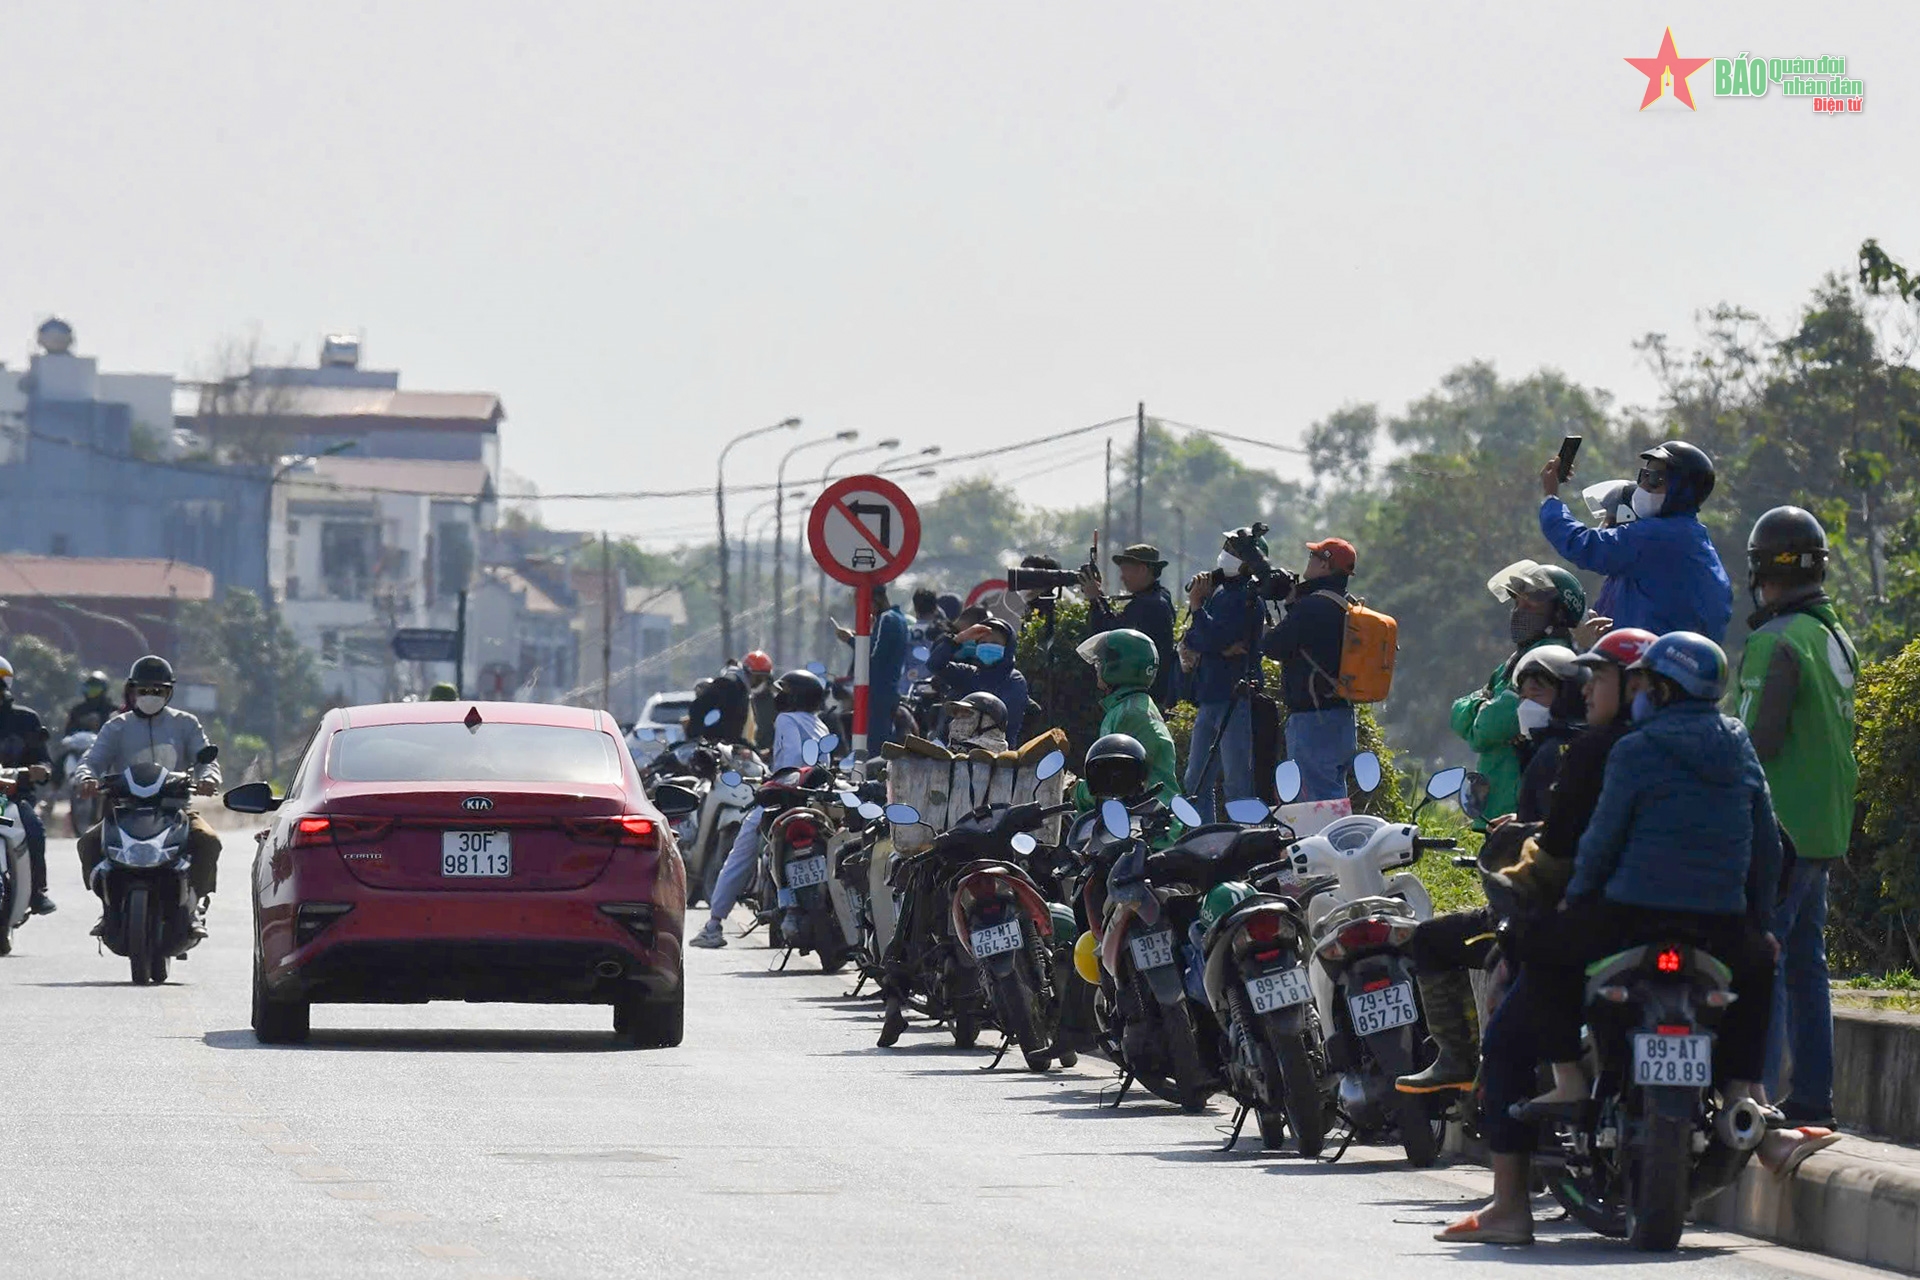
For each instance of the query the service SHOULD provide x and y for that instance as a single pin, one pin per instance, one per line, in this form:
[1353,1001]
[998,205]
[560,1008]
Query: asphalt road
[146,1134]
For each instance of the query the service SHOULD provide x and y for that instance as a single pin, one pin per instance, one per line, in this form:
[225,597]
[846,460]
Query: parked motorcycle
[82,811]
[16,871]
[142,876]
[1360,919]
[725,777]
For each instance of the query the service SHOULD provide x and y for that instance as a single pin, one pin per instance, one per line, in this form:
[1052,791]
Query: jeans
[1510,1056]
[1322,743]
[1802,1004]
[738,868]
[36,846]
[1235,760]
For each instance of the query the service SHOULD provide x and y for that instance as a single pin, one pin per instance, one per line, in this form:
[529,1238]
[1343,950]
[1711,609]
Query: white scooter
[16,872]
[1360,920]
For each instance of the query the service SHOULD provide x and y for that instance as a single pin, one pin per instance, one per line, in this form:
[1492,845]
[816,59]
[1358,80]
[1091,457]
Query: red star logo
[1656,69]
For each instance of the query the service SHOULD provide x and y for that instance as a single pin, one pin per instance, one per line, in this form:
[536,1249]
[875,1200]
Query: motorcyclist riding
[153,732]
[94,709]
[23,744]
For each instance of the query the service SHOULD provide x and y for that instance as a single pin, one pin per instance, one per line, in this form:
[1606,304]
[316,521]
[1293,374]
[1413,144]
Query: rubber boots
[1447,999]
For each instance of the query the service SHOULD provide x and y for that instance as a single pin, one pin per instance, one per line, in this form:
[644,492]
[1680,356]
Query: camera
[1048,580]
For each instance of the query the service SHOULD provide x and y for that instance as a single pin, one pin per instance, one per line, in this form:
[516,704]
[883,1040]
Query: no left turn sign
[864,531]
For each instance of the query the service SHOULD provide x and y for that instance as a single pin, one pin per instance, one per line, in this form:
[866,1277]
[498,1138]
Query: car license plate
[1681,1060]
[1383,1010]
[476,853]
[1152,950]
[805,872]
[1280,990]
[995,938]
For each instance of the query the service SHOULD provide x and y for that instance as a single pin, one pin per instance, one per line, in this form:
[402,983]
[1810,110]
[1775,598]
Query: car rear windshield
[451,752]
[669,712]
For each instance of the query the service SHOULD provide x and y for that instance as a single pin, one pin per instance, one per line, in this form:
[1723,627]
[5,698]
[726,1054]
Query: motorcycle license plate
[803,872]
[1151,950]
[856,901]
[1383,1010]
[1681,1060]
[476,853]
[995,938]
[1280,990]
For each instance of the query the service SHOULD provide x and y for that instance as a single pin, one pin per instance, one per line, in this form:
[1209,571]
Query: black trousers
[1456,940]
[1559,949]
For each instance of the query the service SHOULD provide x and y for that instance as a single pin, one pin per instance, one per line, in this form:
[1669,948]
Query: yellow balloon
[1086,958]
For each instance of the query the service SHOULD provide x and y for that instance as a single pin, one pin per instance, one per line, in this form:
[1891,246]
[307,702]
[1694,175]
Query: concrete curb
[1841,1203]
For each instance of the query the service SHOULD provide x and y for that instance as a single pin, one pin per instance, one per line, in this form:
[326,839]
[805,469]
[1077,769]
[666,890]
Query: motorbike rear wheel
[1306,1105]
[7,890]
[1658,1172]
[139,935]
[1013,1007]
[1417,1137]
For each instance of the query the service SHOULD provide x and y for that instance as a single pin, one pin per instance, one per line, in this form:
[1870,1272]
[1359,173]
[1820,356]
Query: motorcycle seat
[1211,861]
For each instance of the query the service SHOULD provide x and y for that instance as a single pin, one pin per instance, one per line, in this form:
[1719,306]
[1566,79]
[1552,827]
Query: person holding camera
[1223,635]
[1148,610]
[1321,735]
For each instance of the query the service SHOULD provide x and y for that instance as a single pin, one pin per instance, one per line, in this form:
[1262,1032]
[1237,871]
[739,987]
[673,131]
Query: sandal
[1813,1139]
[1469,1231]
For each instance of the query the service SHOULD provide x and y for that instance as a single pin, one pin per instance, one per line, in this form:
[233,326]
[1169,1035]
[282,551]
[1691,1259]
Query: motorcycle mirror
[1366,772]
[904,815]
[252,797]
[207,754]
[1022,842]
[1115,818]
[828,743]
[810,752]
[818,668]
[1287,782]
[1247,809]
[848,800]
[1446,783]
[713,718]
[1188,812]
[1473,795]
[731,778]
[870,811]
[1050,764]
[921,653]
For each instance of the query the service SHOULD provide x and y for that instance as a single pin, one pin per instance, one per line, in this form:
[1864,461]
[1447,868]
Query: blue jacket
[886,656]
[1226,619]
[1669,576]
[1003,680]
[1684,821]
[1307,645]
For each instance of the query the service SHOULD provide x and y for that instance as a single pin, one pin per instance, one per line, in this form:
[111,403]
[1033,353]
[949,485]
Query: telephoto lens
[1041,579]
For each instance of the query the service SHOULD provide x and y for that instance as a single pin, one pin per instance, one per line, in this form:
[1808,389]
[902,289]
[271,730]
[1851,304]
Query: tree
[228,640]
[45,678]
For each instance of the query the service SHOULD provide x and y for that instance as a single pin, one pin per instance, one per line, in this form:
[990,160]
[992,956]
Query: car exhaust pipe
[609,968]
[1742,1125]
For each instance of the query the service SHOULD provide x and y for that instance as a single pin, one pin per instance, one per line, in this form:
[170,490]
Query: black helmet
[1116,767]
[799,690]
[150,670]
[1788,545]
[1690,475]
[992,711]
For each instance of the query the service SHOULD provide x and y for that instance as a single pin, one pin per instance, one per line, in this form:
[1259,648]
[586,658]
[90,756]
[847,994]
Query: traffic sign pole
[862,673]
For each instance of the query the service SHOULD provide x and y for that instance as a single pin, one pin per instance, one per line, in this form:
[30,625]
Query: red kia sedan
[479,851]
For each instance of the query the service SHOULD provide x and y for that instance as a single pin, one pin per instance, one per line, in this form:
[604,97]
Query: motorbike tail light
[1720,999]
[1668,961]
[1267,955]
[800,832]
[1378,984]
[1264,927]
[1365,935]
[1674,1029]
[1613,995]
[631,830]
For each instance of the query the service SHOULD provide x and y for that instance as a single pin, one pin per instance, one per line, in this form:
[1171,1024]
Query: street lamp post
[878,446]
[720,513]
[779,532]
[273,602]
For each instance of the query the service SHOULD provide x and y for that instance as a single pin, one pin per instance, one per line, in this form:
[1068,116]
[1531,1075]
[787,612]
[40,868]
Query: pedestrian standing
[1321,735]
[1223,634]
[1148,610]
[1796,699]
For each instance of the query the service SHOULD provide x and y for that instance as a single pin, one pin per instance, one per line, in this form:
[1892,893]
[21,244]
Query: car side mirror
[674,801]
[252,797]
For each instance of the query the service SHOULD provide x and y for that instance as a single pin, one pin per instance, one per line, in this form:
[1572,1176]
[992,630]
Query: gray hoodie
[171,740]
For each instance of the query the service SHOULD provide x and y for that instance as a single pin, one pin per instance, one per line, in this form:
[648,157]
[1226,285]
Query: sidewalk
[1858,1200]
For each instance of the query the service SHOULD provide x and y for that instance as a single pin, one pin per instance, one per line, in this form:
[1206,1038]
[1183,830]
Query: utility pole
[606,625]
[1139,472]
[1106,502]
[460,648]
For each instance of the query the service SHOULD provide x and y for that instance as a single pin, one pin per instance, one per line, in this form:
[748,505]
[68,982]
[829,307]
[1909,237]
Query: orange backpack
[1367,652]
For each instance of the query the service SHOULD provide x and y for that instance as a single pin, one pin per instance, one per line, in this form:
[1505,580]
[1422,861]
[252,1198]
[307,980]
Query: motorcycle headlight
[137,854]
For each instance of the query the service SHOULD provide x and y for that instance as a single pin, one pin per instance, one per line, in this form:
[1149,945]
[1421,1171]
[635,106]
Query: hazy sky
[649,226]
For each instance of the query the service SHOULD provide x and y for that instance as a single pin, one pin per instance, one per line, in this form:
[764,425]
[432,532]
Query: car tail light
[800,832]
[322,828]
[1668,961]
[311,917]
[631,830]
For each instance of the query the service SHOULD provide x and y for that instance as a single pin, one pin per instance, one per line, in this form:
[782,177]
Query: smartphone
[1569,447]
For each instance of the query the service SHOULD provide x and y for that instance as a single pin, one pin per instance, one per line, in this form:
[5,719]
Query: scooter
[142,877]
[1360,918]
[16,870]
[82,811]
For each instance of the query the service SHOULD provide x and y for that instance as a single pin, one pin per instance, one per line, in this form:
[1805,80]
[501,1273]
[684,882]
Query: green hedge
[1874,921]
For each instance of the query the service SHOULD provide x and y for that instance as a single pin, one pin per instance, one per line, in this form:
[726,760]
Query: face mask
[1643,706]
[962,728]
[990,653]
[1534,718]
[1229,564]
[968,648]
[1647,505]
[150,705]
[1526,627]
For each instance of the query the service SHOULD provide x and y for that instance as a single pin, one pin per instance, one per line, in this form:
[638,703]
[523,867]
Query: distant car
[659,724]
[478,851]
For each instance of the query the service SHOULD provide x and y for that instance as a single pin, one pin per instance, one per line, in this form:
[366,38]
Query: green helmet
[1124,659]
[443,692]
[1525,577]
[1221,899]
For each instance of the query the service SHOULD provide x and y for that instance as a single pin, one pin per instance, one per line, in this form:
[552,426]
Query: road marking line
[449,1251]
[354,1193]
[292,1149]
[398,1217]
